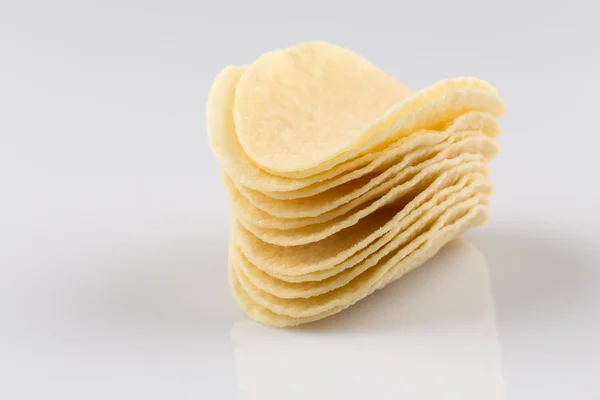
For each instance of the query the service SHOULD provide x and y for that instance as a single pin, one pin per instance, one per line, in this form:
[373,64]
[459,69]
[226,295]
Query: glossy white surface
[113,225]
[439,321]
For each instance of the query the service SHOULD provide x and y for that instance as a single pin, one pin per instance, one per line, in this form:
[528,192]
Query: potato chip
[292,98]
[325,258]
[304,307]
[368,187]
[474,217]
[312,229]
[342,276]
[236,164]
[298,108]
[471,122]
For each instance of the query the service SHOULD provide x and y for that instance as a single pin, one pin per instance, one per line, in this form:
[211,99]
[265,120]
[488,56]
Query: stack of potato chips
[340,178]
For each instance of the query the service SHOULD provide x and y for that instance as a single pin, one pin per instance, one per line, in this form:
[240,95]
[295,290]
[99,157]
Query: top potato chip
[297,107]
[305,106]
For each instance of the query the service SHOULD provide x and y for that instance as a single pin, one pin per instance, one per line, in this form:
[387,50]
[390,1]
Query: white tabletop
[114,224]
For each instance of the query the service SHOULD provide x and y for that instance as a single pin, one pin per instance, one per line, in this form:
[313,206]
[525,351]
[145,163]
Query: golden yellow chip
[298,108]
[237,165]
[474,217]
[325,258]
[338,277]
[471,122]
[294,232]
[294,107]
[368,187]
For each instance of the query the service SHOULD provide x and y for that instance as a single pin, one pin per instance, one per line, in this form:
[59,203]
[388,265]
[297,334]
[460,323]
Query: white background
[114,224]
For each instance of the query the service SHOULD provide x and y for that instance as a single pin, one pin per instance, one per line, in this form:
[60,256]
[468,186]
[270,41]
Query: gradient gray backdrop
[108,184]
